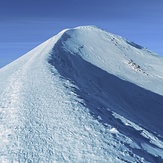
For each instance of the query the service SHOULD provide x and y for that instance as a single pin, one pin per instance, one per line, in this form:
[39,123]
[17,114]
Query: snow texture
[84,95]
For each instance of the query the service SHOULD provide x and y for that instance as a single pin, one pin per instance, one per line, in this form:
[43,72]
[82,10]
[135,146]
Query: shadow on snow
[104,93]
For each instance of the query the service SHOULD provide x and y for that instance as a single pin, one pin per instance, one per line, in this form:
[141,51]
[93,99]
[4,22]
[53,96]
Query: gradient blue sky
[26,23]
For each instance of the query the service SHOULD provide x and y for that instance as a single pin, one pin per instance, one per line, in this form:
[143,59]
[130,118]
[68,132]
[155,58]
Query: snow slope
[84,95]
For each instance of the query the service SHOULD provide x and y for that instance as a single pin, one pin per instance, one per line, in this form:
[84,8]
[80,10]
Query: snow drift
[84,95]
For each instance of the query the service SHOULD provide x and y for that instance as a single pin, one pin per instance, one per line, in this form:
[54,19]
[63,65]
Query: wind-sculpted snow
[103,92]
[78,98]
[134,45]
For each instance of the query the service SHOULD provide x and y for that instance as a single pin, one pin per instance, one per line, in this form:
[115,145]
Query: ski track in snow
[44,119]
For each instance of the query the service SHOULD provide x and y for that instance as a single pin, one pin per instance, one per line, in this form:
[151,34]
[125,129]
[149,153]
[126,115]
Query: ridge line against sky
[26,24]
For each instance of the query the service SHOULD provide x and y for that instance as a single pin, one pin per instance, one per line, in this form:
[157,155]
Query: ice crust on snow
[84,95]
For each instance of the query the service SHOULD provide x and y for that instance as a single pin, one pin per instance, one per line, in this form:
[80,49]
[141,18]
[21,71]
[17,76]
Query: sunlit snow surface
[84,95]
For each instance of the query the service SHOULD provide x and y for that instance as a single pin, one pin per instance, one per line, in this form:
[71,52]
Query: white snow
[84,95]
[114,130]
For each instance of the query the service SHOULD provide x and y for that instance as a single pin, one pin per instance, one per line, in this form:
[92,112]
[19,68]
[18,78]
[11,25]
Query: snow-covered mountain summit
[84,95]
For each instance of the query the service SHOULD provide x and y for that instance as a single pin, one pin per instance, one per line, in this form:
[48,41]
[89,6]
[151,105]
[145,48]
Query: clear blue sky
[26,23]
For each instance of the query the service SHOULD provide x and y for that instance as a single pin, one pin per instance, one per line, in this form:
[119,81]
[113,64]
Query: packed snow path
[54,107]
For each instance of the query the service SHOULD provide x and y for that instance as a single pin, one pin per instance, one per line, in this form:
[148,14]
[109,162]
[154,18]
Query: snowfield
[83,96]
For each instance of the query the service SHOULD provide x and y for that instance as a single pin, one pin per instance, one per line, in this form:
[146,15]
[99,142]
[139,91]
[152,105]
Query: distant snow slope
[85,95]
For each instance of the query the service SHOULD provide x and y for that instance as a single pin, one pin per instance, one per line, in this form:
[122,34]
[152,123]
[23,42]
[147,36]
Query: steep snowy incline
[117,56]
[84,95]
[118,72]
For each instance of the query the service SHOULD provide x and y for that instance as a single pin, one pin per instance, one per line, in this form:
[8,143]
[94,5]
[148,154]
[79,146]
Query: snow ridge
[85,95]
